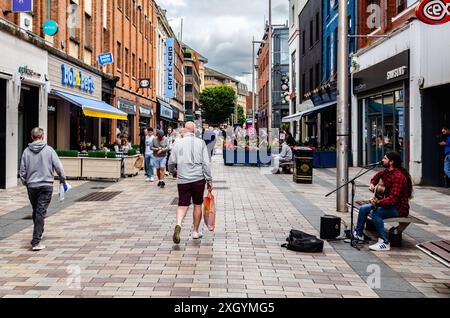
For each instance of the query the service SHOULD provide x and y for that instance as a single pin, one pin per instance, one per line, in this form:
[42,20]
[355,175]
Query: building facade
[192,83]
[399,87]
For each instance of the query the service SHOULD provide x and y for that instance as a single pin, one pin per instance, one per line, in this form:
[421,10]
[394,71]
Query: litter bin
[303,165]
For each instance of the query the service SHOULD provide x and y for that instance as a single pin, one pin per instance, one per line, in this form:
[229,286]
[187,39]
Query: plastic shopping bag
[209,211]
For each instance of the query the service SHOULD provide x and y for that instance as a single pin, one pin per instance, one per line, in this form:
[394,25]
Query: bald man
[191,160]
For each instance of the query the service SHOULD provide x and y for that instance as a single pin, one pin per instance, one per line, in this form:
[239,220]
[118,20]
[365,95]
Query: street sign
[434,11]
[144,83]
[105,58]
[22,6]
[50,27]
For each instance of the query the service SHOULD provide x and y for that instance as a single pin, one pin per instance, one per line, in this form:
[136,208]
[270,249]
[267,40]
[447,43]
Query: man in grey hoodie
[39,161]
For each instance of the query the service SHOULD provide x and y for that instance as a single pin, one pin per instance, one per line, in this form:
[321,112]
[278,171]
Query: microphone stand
[353,182]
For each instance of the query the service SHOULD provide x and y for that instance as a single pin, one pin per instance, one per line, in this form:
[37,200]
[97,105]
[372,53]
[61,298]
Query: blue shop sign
[105,58]
[165,111]
[22,5]
[50,27]
[74,78]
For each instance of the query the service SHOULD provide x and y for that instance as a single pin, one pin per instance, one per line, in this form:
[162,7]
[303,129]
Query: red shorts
[194,190]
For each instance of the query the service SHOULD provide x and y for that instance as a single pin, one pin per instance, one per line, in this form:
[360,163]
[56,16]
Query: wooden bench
[287,166]
[439,250]
[395,233]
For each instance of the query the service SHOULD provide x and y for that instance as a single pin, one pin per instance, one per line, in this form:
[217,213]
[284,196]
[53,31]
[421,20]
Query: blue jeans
[447,165]
[378,214]
[149,165]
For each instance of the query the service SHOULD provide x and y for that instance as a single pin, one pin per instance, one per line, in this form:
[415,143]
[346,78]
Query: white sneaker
[380,246]
[38,247]
[358,237]
[197,235]
[152,179]
[147,180]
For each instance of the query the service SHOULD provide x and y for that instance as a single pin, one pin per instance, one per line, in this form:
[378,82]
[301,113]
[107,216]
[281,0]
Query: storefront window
[385,125]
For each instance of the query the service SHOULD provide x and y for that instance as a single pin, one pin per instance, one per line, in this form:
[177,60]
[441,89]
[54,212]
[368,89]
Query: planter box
[72,167]
[129,168]
[101,168]
[327,159]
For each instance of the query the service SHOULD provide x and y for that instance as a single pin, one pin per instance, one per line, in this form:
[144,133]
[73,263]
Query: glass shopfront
[385,125]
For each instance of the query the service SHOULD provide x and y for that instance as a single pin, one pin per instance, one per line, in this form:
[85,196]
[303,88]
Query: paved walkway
[123,247]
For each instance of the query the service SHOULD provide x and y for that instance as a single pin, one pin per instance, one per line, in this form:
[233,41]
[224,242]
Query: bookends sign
[434,11]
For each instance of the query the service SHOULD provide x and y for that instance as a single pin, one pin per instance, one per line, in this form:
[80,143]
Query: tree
[217,104]
[241,115]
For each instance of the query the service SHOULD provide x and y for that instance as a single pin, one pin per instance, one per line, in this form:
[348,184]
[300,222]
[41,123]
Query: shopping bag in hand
[209,211]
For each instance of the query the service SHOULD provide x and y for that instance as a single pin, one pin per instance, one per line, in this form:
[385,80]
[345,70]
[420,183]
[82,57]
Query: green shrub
[135,147]
[102,154]
[67,153]
[132,152]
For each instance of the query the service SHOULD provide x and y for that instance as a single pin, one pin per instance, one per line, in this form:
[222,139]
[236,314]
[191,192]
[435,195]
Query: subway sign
[434,11]
[74,78]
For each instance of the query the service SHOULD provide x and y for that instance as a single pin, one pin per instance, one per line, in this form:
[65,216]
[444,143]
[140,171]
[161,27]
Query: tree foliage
[217,104]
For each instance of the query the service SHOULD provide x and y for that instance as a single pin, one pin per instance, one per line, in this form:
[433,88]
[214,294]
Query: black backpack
[302,242]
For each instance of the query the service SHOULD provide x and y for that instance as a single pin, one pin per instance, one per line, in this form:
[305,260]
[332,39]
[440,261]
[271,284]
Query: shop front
[23,96]
[77,116]
[166,116]
[145,117]
[383,109]
[126,128]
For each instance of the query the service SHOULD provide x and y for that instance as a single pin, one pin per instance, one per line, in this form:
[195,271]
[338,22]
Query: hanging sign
[22,6]
[50,28]
[170,68]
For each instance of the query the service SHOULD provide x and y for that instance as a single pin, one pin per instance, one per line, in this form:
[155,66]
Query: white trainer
[38,247]
[197,235]
[358,237]
[380,246]
[152,179]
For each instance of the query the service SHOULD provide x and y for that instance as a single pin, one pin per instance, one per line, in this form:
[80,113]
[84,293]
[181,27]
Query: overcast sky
[222,30]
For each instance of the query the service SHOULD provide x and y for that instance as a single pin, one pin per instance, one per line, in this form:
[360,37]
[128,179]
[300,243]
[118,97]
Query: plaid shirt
[396,195]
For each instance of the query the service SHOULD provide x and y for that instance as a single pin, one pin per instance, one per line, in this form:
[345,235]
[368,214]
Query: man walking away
[191,159]
[149,155]
[284,156]
[39,161]
[446,144]
[160,149]
[142,138]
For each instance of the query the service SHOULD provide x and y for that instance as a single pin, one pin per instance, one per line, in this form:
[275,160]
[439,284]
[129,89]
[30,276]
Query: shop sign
[166,112]
[434,11]
[24,70]
[170,67]
[22,6]
[401,71]
[144,83]
[126,107]
[105,58]
[50,28]
[145,111]
[75,78]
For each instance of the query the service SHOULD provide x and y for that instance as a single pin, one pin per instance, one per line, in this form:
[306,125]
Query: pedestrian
[160,149]
[37,167]
[170,140]
[210,140]
[190,158]
[446,144]
[284,156]
[142,138]
[398,191]
[149,155]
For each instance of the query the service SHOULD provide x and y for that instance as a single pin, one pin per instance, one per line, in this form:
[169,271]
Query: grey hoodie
[38,163]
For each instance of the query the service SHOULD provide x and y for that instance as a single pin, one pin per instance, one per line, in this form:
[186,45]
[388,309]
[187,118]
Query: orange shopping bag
[209,211]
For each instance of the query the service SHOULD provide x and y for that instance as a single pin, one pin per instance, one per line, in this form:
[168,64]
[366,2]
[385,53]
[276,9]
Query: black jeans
[40,200]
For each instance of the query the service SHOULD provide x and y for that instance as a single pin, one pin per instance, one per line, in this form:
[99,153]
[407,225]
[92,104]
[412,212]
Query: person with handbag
[191,160]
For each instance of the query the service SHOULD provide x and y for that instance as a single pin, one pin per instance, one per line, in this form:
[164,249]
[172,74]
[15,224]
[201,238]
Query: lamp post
[342,114]
[269,118]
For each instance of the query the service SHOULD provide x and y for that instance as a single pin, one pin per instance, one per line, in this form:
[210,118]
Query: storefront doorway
[435,115]
[385,125]
[2,134]
[28,118]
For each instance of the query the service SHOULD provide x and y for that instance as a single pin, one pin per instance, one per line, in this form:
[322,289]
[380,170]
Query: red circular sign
[434,11]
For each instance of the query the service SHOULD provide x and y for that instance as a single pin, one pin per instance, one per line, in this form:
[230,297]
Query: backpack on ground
[299,241]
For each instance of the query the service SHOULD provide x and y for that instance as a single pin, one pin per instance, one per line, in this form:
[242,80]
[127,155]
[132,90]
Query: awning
[312,111]
[92,107]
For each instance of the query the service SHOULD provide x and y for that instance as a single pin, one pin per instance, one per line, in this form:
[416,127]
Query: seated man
[284,156]
[393,202]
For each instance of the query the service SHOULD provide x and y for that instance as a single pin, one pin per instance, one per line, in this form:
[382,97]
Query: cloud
[222,31]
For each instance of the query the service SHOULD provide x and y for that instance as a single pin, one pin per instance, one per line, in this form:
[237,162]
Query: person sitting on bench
[398,192]
[284,156]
